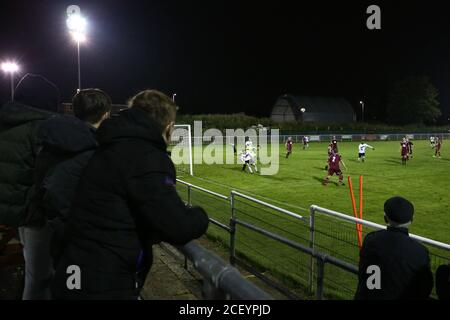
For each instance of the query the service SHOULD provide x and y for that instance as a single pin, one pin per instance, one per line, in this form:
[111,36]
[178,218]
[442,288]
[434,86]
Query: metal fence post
[232,231]
[311,246]
[320,277]
[189,195]
[189,190]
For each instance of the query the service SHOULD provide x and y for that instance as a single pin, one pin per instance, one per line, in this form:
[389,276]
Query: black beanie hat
[38,92]
[399,210]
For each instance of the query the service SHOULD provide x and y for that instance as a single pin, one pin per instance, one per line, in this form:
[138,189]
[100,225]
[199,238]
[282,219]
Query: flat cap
[399,210]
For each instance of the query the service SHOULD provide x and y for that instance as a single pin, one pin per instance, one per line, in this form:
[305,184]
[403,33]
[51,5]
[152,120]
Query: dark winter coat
[404,265]
[125,201]
[67,145]
[19,146]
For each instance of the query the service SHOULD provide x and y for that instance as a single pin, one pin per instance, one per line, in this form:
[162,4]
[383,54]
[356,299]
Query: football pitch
[297,185]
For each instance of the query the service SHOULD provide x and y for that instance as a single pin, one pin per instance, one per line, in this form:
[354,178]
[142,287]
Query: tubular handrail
[202,189]
[222,275]
[377,226]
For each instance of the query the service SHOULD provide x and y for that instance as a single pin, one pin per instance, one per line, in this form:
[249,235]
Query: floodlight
[76,23]
[79,37]
[10,67]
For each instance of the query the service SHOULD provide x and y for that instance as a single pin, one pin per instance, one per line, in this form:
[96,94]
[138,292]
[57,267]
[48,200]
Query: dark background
[232,56]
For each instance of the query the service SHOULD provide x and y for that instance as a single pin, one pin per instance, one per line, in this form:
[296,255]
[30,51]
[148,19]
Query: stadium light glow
[303,110]
[10,67]
[362,110]
[78,37]
[77,25]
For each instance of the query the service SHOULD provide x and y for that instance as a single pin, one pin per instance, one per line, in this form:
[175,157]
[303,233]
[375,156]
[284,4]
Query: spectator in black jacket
[403,263]
[443,282]
[36,99]
[67,144]
[125,202]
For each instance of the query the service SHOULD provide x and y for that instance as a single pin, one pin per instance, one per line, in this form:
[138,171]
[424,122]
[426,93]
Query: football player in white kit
[248,159]
[362,151]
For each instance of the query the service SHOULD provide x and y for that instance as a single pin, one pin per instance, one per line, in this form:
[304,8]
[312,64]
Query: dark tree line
[413,100]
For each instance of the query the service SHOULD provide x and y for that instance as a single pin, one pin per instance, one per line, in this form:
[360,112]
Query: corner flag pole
[360,204]
[355,213]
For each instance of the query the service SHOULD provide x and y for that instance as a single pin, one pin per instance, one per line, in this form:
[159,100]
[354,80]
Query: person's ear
[168,131]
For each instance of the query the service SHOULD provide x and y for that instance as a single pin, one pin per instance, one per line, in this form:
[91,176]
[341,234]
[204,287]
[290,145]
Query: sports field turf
[424,181]
[298,184]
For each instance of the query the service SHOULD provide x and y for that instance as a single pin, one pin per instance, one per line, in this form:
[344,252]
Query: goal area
[181,150]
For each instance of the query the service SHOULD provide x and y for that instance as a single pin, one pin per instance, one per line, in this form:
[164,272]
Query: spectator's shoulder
[419,247]
[153,160]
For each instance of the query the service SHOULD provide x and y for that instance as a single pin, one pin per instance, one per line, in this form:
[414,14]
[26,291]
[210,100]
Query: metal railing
[340,240]
[221,280]
[190,188]
[322,242]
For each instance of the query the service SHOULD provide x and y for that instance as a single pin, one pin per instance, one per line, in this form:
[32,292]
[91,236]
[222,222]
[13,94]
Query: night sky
[232,56]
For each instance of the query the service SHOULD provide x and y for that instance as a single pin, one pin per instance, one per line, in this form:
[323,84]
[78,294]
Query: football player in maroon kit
[437,146]
[288,145]
[333,168]
[333,146]
[404,150]
[332,149]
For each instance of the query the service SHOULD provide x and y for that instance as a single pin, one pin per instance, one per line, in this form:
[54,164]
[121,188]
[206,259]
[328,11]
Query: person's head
[38,92]
[92,106]
[159,107]
[398,212]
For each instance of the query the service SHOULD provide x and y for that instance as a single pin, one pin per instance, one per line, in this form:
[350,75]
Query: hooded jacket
[67,145]
[125,201]
[19,146]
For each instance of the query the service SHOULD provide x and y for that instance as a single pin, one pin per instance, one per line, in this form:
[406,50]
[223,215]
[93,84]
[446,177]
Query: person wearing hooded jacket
[125,202]
[36,100]
[67,144]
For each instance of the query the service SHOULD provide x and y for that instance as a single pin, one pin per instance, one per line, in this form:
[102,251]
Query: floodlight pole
[362,109]
[79,67]
[12,86]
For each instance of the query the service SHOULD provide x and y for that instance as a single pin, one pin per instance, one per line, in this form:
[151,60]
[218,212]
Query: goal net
[181,149]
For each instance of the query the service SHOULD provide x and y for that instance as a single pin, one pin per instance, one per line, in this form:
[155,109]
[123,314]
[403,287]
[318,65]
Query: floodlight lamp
[303,110]
[79,37]
[10,67]
[76,23]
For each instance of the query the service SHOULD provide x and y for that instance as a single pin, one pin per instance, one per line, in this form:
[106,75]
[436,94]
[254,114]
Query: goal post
[181,149]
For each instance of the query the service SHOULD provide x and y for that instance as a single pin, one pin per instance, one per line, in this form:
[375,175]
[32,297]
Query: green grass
[424,181]
[298,185]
